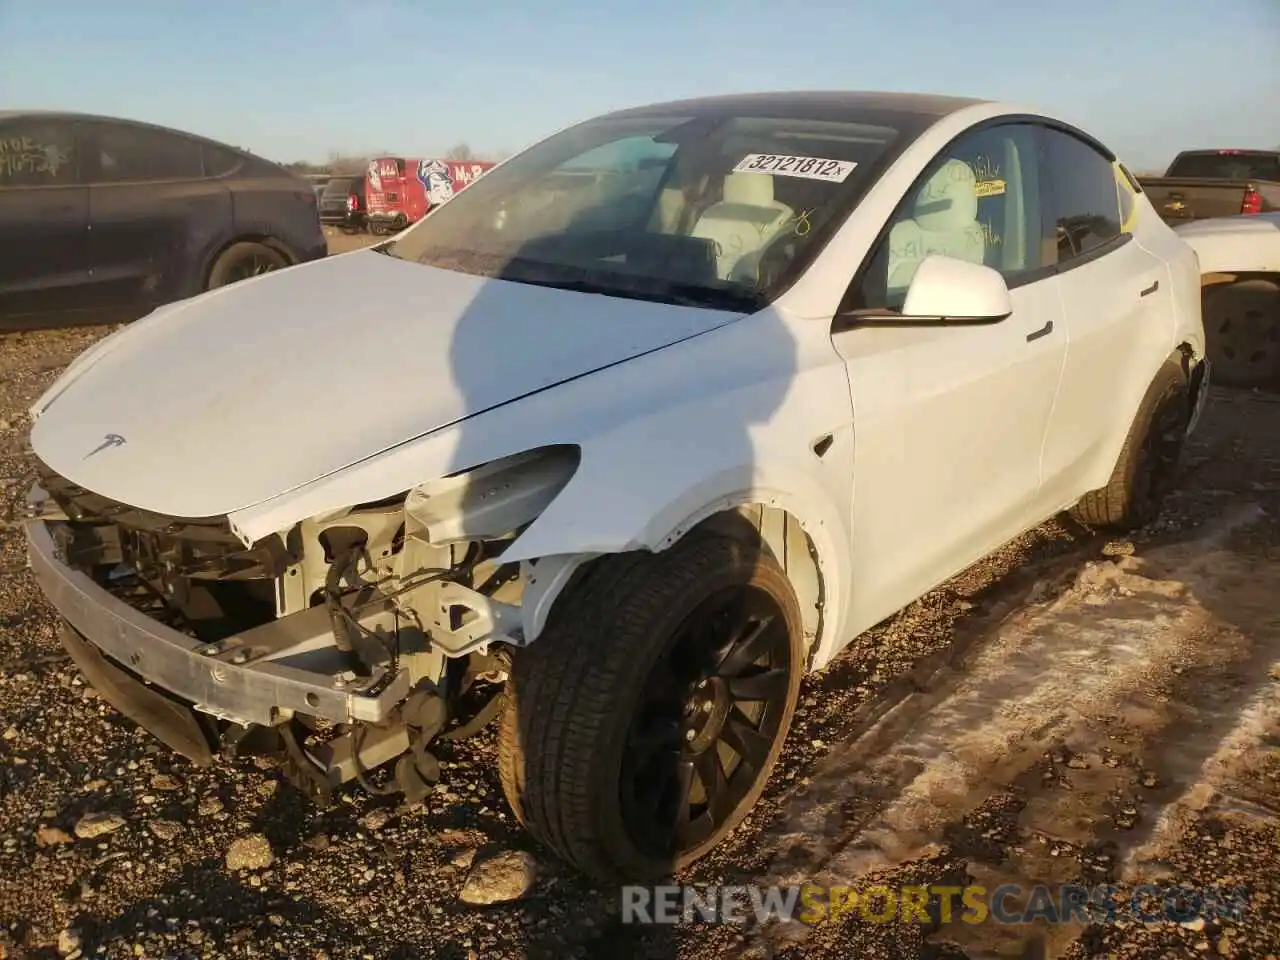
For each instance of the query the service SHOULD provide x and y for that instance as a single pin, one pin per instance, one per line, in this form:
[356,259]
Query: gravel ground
[340,242]
[1068,710]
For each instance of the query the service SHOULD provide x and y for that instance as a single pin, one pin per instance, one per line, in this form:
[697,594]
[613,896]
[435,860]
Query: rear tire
[243,260]
[1149,460]
[636,689]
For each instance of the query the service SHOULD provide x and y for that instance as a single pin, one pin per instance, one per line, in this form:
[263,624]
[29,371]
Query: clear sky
[294,81]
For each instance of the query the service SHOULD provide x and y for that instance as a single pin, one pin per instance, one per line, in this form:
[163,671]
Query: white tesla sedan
[634,432]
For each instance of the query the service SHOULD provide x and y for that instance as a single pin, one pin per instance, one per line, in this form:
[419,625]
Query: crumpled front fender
[755,412]
[585,522]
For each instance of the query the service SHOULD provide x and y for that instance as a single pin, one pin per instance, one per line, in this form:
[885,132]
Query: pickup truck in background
[1216,183]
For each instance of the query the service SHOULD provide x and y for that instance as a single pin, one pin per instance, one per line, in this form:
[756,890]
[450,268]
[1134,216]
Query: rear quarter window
[219,161]
[1127,193]
[257,167]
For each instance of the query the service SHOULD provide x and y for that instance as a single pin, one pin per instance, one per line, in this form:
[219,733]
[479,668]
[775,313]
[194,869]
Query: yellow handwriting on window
[24,155]
[797,223]
[984,168]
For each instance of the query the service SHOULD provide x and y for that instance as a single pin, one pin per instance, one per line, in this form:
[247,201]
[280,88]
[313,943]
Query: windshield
[1227,166]
[714,211]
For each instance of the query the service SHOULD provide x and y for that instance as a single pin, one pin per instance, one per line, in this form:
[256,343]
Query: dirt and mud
[340,242]
[1072,710]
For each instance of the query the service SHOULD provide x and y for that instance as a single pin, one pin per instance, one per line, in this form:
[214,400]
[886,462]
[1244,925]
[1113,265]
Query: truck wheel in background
[642,725]
[1149,460]
[240,261]
[1242,330]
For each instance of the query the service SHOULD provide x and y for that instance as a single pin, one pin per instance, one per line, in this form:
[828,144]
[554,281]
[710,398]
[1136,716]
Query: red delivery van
[402,189]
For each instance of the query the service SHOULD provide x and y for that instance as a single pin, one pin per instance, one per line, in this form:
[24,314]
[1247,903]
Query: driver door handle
[1042,332]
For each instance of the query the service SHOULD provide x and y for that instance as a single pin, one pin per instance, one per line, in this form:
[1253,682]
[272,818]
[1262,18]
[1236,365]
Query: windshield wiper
[674,294]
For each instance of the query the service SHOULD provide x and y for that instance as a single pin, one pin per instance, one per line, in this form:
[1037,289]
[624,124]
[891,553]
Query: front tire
[1148,464]
[642,725]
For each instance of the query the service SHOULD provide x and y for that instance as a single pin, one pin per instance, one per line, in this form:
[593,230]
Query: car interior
[981,204]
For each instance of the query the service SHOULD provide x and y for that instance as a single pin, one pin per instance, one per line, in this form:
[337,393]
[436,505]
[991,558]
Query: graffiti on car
[20,155]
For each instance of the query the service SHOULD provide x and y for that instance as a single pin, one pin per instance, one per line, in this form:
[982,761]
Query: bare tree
[344,165]
[460,151]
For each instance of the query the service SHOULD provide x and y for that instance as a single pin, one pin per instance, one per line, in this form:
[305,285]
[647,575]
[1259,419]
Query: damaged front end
[349,643]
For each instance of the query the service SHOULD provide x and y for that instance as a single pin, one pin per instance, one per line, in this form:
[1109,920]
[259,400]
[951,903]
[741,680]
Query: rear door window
[128,154]
[38,153]
[1084,203]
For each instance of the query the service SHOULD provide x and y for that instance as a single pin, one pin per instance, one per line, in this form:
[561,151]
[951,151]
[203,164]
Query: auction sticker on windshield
[811,168]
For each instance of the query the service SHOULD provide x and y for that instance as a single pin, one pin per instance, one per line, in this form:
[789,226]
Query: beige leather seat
[742,224]
[666,218]
[944,221]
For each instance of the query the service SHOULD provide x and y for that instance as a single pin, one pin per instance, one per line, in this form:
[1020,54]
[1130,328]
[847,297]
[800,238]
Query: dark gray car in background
[104,219]
[344,202]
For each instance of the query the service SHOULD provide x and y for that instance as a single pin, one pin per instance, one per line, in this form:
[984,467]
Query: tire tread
[564,688]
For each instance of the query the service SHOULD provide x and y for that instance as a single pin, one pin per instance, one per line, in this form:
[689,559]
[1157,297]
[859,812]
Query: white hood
[230,398]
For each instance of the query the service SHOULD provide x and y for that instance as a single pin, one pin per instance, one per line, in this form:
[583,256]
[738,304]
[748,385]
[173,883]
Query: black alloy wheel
[641,726]
[709,714]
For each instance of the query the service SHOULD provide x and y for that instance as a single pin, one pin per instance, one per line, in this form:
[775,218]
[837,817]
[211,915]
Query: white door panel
[948,427]
[1117,310]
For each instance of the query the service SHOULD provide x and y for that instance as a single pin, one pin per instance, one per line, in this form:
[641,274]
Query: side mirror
[957,291]
[948,291]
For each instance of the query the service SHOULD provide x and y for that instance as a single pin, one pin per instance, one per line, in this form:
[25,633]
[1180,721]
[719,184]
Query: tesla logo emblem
[108,440]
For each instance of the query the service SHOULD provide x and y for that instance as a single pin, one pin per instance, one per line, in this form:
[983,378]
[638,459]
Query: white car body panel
[739,433]
[244,415]
[1237,244]
[939,417]
[1116,339]
[944,442]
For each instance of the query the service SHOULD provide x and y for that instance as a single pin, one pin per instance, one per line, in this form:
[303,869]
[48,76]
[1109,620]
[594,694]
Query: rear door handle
[1155,285]
[1042,332]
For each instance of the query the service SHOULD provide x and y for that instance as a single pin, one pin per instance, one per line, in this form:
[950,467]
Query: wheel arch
[809,547]
[1186,356]
[1238,276]
[266,239]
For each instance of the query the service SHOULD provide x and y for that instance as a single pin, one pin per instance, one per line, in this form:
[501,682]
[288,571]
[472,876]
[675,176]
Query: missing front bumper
[261,676]
[170,721]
